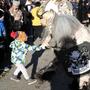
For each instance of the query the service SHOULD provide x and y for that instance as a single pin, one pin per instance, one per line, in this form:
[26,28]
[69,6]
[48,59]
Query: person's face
[15,8]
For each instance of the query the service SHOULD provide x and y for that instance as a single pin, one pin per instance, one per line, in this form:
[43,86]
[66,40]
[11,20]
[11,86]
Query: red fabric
[13,34]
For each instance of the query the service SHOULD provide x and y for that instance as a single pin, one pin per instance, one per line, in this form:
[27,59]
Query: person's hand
[17,17]
[38,48]
[88,15]
[42,47]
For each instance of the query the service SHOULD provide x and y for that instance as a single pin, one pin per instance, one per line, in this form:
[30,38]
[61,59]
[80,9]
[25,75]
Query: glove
[42,47]
[38,49]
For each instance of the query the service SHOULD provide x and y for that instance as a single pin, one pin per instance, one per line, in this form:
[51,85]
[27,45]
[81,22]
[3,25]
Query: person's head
[47,17]
[15,5]
[37,4]
[2,2]
[19,35]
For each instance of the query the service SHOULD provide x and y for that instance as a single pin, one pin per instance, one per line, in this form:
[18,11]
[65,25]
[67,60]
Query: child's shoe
[6,69]
[14,78]
[31,81]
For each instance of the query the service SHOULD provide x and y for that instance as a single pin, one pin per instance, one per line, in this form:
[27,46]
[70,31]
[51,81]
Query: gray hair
[64,26]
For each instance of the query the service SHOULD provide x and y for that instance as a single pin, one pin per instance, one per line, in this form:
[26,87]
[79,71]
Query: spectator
[28,5]
[16,15]
[2,39]
[27,20]
[75,7]
[83,11]
[13,21]
[36,21]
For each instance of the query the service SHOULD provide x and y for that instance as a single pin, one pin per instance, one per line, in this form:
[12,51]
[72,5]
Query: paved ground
[60,81]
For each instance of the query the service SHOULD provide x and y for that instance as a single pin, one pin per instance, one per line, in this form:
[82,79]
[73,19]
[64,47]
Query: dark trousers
[2,57]
[37,31]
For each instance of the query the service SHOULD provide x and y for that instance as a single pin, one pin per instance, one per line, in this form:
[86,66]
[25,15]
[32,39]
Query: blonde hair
[21,36]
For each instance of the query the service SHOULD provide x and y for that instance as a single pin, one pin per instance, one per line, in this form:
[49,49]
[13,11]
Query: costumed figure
[72,49]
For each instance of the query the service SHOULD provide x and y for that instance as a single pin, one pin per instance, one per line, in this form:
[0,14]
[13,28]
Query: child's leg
[21,67]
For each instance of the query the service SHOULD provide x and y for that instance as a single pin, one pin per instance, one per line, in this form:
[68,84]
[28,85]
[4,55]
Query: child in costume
[19,50]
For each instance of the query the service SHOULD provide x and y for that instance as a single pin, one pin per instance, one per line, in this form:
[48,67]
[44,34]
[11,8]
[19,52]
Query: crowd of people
[61,21]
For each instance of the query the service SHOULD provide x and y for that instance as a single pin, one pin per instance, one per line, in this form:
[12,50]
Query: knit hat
[16,2]
[1,13]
